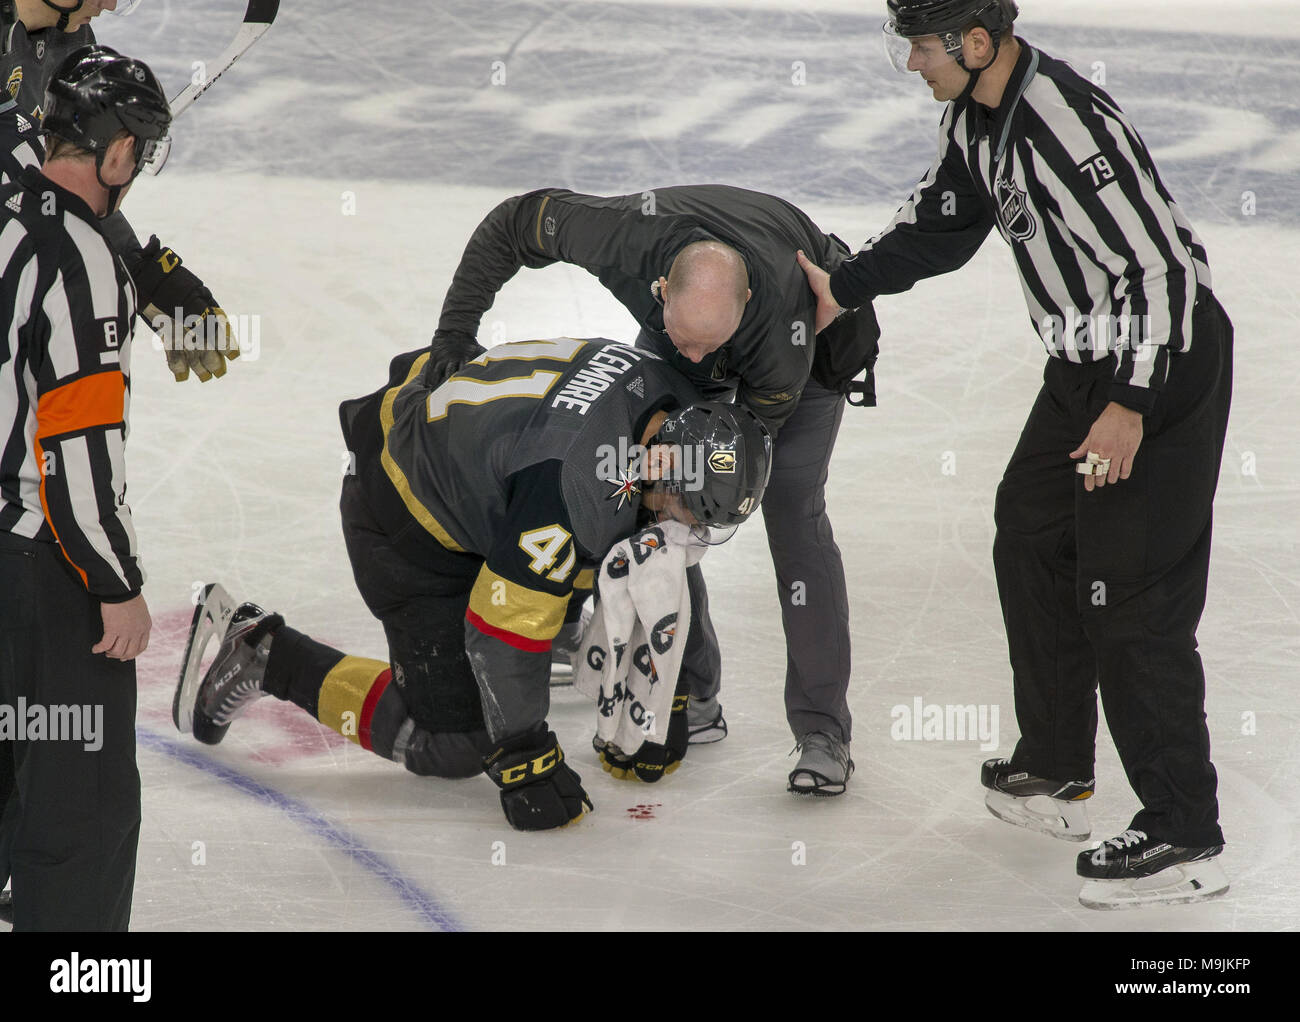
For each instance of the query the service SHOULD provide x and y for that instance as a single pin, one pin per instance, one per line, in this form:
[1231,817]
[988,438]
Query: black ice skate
[1049,807]
[1132,870]
[208,700]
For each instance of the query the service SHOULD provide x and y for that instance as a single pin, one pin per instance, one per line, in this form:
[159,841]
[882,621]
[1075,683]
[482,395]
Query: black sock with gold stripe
[353,696]
[343,692]
[296,667]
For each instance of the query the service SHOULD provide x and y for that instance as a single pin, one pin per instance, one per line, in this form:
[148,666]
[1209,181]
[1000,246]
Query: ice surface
[390,106]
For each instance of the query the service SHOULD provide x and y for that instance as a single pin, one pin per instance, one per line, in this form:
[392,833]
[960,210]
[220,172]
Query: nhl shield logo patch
[1014,216]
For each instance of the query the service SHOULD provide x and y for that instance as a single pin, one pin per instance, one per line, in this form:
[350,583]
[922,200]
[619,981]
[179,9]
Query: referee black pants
[1104,590]
[72,814]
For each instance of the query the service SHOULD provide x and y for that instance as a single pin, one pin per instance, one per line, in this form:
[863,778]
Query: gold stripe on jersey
[541,211]
[557,349]
[514,608]
[343,693]
[586,579]
[403,486]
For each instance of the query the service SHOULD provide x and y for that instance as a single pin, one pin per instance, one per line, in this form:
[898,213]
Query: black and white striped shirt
[1108,262]
[66,307]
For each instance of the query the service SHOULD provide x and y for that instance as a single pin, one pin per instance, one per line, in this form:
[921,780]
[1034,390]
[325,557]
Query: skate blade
[1019,813]
[211,619]
[561,675]
[1194,881]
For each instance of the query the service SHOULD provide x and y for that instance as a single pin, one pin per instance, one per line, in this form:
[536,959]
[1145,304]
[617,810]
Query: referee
[1101,571]
[72,617]
[35,38]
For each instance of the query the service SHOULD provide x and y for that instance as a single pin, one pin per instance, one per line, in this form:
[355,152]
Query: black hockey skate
[208,700]
[1023,800]
[1133,869]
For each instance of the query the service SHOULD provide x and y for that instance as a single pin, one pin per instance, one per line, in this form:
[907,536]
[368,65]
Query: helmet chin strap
[114,191]
[65,13]
[973,72]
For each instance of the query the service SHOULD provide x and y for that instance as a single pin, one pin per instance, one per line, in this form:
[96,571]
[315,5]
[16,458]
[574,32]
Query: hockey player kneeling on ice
[476,503]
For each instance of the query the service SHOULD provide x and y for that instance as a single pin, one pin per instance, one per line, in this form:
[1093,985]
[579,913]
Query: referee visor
[154,155]
[926,54]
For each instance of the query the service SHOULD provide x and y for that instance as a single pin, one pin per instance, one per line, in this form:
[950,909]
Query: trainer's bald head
[704,297]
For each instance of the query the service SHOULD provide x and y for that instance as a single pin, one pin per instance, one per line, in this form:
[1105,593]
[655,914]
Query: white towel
[631,650]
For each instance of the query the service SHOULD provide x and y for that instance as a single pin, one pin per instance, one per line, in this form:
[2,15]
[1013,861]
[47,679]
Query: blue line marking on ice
[409,893]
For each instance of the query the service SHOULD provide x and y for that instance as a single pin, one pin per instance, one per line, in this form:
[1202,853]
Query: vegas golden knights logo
[15,82]
[723,462]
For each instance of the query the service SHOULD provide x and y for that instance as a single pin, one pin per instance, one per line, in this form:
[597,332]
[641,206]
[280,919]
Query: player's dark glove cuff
[161,280]
[539,791]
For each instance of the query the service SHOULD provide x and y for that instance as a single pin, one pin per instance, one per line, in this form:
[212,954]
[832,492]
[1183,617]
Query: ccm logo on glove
[537,767]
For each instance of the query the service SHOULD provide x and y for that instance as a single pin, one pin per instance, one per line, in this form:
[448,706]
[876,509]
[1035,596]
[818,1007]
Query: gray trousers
[809,571]
[809,576]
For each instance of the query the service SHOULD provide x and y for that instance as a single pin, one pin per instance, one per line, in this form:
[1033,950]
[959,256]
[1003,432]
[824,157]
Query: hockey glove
[448,353]
[652,761]
[538,789]
[193,328]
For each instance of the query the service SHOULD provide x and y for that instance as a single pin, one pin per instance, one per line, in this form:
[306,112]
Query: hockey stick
[257,19]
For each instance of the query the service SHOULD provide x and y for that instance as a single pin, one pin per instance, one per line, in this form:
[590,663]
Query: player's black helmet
[734,450]
[96,93]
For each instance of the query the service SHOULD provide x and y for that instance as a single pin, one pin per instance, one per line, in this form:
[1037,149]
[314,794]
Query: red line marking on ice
[293,736]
